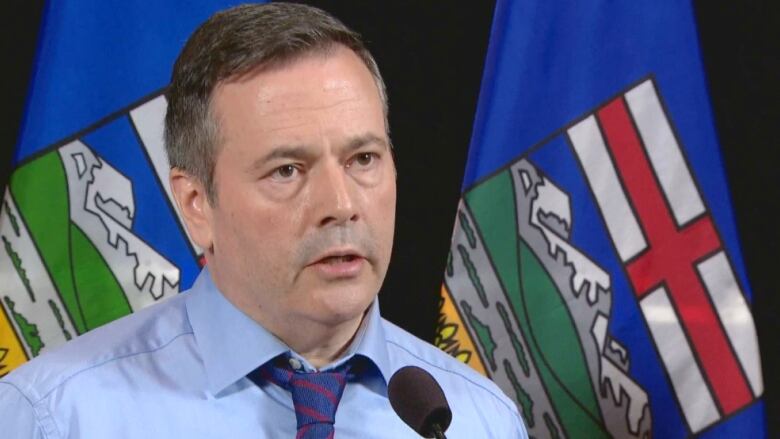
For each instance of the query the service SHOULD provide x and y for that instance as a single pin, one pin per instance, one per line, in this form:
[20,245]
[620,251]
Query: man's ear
[193,203]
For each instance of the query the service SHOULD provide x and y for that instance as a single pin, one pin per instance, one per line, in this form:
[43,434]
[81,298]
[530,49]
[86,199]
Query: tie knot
[315,395]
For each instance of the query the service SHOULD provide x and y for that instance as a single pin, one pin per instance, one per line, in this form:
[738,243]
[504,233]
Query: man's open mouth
[338,259]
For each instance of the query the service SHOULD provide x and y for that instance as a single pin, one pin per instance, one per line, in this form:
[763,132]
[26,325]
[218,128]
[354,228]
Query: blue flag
[88,226]
[595,271]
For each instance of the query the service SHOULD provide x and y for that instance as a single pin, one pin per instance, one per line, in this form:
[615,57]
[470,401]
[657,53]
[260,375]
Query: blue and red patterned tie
[315,395]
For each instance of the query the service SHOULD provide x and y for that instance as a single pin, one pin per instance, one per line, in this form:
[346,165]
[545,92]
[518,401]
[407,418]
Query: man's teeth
[338,259]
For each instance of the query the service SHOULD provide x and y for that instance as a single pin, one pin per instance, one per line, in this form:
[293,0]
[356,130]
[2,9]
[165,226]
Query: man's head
[281,164]
[233,43]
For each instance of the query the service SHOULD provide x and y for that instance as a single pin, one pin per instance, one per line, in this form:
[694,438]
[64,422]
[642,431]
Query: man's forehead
[289,65]
[331,99]
[336,75]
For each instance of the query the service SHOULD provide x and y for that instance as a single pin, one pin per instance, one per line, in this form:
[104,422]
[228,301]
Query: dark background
[431,54]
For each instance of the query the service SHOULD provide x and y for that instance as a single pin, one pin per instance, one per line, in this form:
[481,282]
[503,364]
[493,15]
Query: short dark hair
[243,40]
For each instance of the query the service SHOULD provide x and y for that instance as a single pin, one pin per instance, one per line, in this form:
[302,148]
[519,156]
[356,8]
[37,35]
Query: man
[281,165]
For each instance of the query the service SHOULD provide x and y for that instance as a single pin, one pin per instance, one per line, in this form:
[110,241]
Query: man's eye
[364,159]
[284,172]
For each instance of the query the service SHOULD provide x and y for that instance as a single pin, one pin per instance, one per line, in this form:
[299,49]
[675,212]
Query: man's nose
[335,196]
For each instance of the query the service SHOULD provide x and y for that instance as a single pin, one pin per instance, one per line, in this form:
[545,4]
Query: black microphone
[419,401]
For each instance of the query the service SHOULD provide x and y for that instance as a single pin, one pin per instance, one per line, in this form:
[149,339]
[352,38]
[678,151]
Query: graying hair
[243,40]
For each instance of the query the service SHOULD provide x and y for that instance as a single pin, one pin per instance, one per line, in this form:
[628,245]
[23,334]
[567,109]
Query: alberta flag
[88,227]
[595,272]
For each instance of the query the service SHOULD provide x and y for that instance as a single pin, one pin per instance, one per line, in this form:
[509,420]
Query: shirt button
[295,363]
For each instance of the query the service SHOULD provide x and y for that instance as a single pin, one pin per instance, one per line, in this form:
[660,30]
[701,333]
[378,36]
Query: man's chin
[338,305]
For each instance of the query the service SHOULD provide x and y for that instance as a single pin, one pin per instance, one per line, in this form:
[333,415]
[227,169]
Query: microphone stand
[437,433]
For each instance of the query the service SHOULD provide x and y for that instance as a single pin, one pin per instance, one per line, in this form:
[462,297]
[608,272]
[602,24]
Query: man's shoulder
[142,332]
[406,349]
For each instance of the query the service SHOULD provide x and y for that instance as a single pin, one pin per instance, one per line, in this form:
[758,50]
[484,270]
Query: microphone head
[418,400]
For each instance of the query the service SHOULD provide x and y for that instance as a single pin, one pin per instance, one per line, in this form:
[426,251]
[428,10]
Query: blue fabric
[97,61]
[550,65]
[95,57]
[179,369]
[315,394]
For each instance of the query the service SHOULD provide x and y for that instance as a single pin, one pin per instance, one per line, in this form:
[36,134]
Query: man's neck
[319,343]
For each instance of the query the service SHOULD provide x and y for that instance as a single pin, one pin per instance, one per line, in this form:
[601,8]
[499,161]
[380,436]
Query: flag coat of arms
[595,272]
[88,227]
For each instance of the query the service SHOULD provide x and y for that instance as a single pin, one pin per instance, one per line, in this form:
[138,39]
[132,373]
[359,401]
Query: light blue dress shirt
[178,370]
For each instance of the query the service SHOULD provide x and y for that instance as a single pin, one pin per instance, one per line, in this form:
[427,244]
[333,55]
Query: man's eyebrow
[363,140]
[294,152]
[304,153]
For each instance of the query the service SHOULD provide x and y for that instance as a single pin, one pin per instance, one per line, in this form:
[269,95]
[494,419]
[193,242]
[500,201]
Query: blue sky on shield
[548,66]
[96,57]
[154,222]
[556,160]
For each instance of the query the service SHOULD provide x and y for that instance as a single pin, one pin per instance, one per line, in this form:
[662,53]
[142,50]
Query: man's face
[302,226]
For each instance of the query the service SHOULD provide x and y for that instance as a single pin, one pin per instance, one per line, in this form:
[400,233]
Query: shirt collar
[371,343]
[232,344]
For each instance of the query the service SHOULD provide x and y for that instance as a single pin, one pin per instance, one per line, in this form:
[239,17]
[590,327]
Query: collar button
[295,364]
